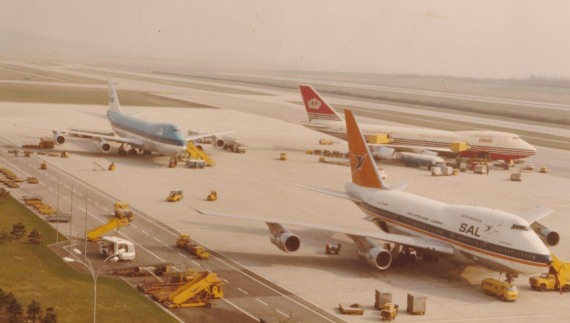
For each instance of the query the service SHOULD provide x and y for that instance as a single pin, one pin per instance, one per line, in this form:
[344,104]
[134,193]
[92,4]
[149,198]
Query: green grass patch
[34,272]
[72,95]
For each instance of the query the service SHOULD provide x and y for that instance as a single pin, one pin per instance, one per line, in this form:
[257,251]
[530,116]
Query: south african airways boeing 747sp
[466,235]
[161,138]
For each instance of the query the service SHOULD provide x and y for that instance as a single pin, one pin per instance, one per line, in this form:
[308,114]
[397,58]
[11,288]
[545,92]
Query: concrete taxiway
[257,183]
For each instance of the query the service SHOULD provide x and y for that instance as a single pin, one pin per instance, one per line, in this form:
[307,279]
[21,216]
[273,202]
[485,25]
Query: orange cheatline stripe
[488,253]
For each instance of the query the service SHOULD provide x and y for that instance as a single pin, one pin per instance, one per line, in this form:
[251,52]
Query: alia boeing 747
[466,235]
[491,144]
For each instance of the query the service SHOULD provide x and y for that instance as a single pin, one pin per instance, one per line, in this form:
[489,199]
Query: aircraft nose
[530,148]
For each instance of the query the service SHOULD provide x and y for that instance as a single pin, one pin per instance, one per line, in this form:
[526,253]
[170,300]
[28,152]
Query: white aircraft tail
[316,107]
[113,97]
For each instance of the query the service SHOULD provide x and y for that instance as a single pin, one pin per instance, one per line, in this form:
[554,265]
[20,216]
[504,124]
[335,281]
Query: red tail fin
[316,107]
[362,165]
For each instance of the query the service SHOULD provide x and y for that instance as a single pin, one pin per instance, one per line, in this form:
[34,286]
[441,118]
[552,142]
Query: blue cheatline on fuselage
[164,133]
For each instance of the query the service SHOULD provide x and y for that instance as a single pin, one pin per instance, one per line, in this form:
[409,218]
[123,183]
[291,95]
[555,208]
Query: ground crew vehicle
[212,196]
[184,242]
[503,290]
[283,156]
[333,248]
[557,278]
[352,309]
[32,180]
[175,196]
[43,166]
[195,293]
[124,249]
[389,312]
[113,224]
[123,211]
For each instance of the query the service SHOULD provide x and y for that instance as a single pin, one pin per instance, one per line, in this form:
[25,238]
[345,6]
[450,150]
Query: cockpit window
[519,227]
[175,129]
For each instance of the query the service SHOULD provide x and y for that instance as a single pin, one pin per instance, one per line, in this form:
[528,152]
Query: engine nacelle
[104,146]
[219,142]
[58,138]
[382,152]
[551,238]
[377,257]
[286,241]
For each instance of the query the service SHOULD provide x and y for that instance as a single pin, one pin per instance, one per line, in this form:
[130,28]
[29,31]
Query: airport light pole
[94,274]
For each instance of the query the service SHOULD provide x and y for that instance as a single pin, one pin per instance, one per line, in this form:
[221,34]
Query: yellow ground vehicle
[389,312]
[557,278]
[212,196]
[113,224]
[184,242]
[283,156]
[43,165]
[123,211]
[175,196]
[326,142]
[64,154]
[503,290]
[32,180]
[112,166]
[196,292]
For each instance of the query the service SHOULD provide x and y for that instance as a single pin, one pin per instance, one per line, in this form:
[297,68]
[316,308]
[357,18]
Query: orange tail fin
[362,165]
[316,107]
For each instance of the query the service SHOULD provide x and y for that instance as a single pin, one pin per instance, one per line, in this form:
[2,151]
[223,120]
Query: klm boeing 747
[135,134]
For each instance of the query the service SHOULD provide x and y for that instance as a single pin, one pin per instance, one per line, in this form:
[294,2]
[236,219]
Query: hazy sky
[496,38]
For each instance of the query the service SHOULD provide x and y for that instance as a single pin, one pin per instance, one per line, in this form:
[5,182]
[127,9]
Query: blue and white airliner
[135,134]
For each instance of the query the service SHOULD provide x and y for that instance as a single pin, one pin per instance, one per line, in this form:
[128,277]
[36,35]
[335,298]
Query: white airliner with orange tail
[467,235]
[491,144]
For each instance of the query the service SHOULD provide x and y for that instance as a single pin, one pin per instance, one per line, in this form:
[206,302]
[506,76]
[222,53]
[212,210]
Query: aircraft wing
[342,195]
[92,135]
[420,243]
[203,135]
[535,214]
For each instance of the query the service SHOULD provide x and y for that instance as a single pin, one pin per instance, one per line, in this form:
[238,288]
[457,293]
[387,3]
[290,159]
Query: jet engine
[377,257]
[286,241]
[104,146]
[219,142]
[58,138]
[382,152]
[551,238]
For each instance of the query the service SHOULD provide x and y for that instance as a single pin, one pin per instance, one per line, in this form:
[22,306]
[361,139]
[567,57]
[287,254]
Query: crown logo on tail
[314,104]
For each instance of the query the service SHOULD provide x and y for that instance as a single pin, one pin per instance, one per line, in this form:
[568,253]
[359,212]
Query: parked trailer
[416,304]
[421,160]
